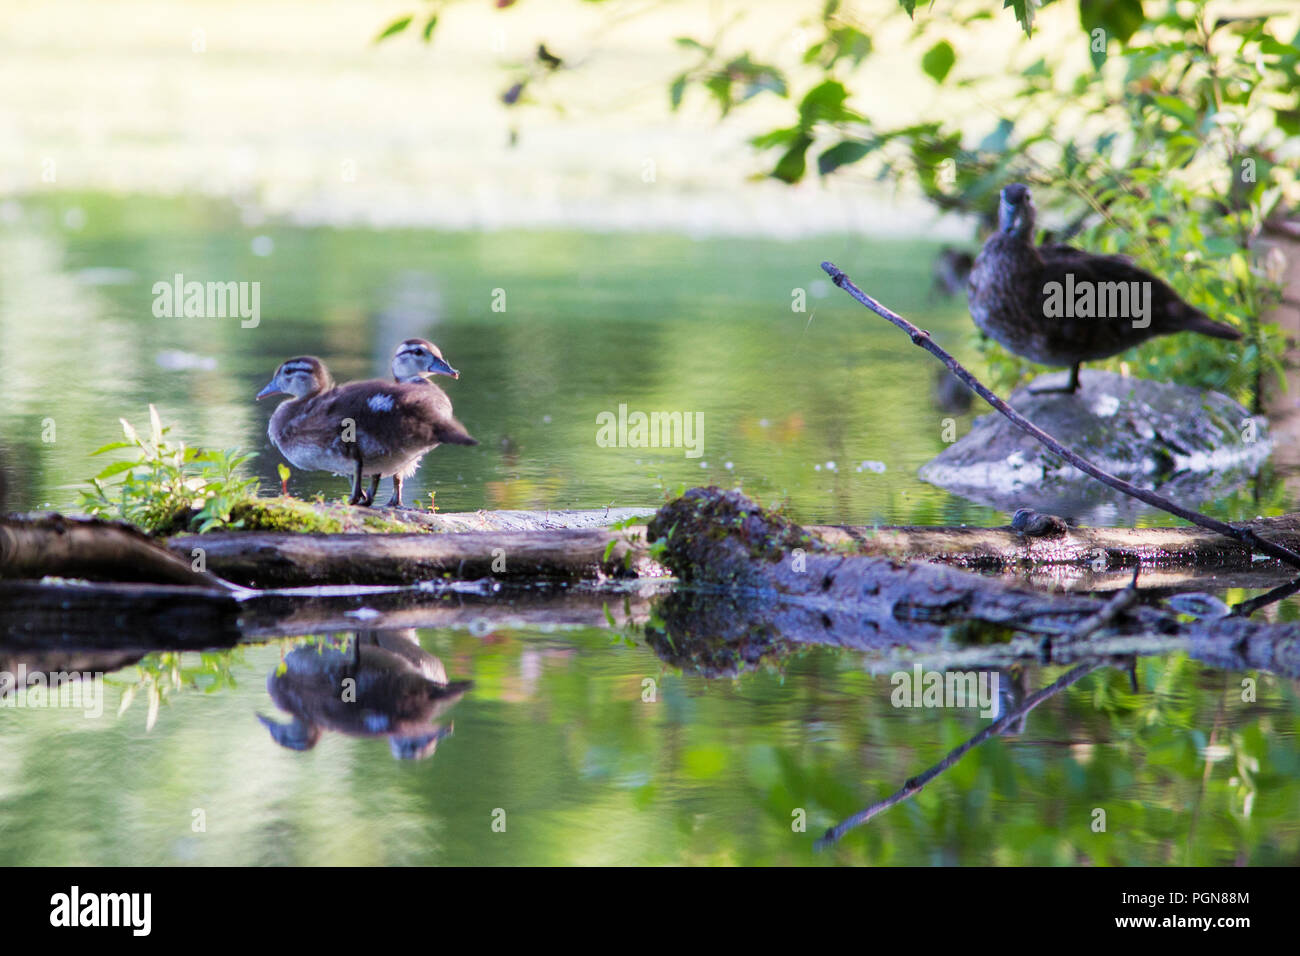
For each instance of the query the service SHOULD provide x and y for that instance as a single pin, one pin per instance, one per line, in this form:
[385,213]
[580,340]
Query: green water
[792,402]
[557,739]
[557,734]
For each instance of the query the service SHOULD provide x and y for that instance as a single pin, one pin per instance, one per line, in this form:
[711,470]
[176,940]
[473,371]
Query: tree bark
[54,544]
[270,560]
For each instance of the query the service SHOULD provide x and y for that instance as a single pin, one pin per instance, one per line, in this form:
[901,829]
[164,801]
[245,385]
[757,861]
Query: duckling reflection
[383,685]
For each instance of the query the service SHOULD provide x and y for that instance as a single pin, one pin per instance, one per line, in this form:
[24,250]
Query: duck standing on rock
[373,428]
[1062,306]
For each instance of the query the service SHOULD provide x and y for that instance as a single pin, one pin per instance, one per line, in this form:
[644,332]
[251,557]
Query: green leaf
[1272,46]
[908,5]
[824,102]
[791,166]
[116,469]
[113,446]
[1175,107]
[1120,19]
[690,44]
[938,60]
[719,84]
[676,91]
[394,28]
[1024,10]
[429,24]
[996,141]
[842,154]
[776,137]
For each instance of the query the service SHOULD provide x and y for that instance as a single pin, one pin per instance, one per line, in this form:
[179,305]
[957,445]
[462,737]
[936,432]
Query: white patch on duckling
[380,403]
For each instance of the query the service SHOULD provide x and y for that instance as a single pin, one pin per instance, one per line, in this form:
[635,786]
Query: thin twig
[1113,608]
[1247,608]
[1246,536]
[915,784]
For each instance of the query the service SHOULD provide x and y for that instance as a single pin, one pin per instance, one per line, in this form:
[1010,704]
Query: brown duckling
[1023,296]
[1034,525]
[399,689]
[373,428]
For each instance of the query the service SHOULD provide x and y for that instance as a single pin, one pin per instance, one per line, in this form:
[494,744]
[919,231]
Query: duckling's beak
[271,389]
[439,366]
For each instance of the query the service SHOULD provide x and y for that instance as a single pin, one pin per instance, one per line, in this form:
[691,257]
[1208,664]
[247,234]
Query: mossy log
[572,545]
[773,582]
[760,584]
[999,549]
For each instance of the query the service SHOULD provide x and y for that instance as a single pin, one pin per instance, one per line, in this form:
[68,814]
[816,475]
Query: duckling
[1012,282]
[371,428]
[416,358]
[1030,523]
[399,690]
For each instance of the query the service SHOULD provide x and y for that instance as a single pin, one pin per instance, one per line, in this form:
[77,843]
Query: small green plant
[164,674]
[169,486]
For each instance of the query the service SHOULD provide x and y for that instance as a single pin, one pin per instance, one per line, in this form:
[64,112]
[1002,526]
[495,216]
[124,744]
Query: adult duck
[1062,306]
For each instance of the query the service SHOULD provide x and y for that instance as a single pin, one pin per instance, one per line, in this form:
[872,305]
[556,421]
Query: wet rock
[1190,444]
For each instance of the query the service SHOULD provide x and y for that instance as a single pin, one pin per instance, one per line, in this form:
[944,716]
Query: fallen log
[519,520]
[1101,549]
[1081,559]
[269,560]
[79,547]
[763,583]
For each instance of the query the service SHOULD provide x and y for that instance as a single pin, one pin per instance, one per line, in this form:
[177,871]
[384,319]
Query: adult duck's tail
[1197,321]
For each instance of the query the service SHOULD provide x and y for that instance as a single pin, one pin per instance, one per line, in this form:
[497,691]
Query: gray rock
[1189,444]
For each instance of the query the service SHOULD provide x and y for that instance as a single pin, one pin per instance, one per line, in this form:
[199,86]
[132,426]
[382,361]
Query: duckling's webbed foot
[368,498]
[396,500]
[358,497]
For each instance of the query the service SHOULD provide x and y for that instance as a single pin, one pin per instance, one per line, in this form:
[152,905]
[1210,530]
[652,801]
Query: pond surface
[581,742]
[792,402]
[562,740]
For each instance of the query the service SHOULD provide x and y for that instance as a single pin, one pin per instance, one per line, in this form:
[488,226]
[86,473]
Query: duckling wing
[367,417]
[427,409]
